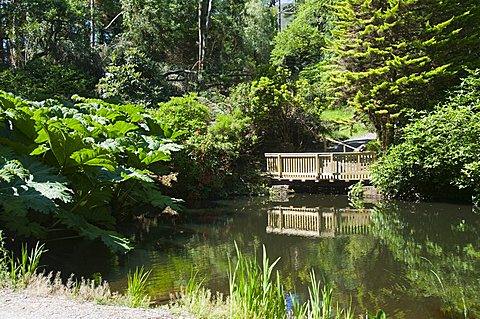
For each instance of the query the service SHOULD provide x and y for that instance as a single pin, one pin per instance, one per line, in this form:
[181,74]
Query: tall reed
[256,291]
[319,304]
[18,271]
[4,261]
[28,263]
[136,291]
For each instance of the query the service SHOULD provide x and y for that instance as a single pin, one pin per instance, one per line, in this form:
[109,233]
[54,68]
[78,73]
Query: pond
[410,259]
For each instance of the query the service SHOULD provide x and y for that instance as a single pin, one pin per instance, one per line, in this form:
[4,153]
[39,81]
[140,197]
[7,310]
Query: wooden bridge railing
[320,166]
[318,222]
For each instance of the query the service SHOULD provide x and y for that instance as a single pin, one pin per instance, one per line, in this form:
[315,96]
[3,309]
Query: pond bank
[26,305]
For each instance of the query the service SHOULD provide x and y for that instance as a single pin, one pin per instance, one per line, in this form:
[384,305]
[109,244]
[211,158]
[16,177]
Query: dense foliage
[189,44]
[439,151]
[275,102]
[184,114]
[301,48]
[83,167]
[134,78]
[393,56]
[301,44]
[336,63]
[42,79]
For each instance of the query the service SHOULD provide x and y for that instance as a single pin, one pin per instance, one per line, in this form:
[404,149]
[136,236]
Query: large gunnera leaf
[28,186]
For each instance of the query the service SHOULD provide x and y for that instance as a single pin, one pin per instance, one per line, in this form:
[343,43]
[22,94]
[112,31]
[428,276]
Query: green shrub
[184,114]
[215,162]
[203,167]
[132,77]
[439,153]
[206,164]
[279,113]
[42,79]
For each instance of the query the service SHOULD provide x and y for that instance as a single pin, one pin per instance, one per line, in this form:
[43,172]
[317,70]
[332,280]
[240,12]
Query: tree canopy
[390,57]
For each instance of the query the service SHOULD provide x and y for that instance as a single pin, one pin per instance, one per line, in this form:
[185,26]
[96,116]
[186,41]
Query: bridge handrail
[318,153]
[320,166]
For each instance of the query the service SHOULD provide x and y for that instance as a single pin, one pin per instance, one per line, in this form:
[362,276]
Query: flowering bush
[208,166]
[204,166]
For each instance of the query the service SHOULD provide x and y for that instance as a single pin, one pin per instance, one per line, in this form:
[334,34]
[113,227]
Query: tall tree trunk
[204,14]
[3,9]
[205,31]
[92,24]
[207,20]
[13,38]
[201,49]
[279,15]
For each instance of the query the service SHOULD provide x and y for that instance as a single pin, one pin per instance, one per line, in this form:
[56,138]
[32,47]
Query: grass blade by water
[137,287]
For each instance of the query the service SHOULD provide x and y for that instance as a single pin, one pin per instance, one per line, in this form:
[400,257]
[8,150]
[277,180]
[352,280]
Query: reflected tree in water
[449,270]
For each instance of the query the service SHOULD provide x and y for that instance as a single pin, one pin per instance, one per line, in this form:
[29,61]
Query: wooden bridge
[318,222]
[345,166]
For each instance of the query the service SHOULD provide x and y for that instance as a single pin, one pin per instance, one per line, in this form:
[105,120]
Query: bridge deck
[348,166]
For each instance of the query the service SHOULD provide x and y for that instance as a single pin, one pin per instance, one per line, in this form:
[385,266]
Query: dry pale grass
[20,273]
[202,303]
[44,284]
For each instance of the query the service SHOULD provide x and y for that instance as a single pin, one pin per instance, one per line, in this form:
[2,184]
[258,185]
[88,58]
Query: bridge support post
[280,166]
[333,168]
[280,222]
[319,222]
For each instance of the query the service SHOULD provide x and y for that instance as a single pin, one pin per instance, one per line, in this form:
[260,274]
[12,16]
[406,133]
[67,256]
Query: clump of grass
[21,272]
[319,304]
[17,272]
[43,284]
[136,293]
[256,291]
[92,290]
[199,300]
[25,267]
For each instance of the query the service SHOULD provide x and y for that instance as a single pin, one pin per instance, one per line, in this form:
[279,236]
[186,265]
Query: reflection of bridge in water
[318,222]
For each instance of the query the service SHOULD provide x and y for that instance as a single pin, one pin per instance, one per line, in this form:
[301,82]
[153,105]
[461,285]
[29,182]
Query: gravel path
[20,305]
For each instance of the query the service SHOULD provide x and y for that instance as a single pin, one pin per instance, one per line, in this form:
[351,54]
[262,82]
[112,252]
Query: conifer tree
[392,56]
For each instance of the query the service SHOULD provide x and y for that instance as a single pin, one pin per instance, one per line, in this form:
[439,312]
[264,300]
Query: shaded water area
[413,260]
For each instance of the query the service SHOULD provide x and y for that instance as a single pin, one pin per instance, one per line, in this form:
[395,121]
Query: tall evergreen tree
[391,56]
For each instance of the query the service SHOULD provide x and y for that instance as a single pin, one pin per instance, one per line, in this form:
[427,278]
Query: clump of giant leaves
[80,167]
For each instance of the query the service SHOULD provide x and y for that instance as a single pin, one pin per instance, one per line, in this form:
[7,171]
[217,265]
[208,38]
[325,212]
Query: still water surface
[413,260]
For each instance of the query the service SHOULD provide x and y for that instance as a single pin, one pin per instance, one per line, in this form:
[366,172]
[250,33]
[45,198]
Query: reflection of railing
[320,166]
[318,222]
